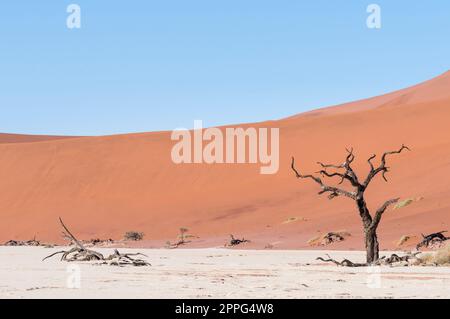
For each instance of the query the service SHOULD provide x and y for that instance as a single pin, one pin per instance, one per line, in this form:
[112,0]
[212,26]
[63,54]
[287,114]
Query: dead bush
[329,238]
[133,235]
[438,258]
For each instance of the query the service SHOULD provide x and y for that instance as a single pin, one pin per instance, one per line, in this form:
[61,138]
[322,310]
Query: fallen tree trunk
[80,253]
[383,261]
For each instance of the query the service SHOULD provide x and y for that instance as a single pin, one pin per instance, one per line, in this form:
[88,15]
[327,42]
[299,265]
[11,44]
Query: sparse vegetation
[293,220]
[182,238]
[405,241]
[80,253]
[182,235]
[133,235]
[98,242]
[438,258]
[403,203]
[32,242]
[328,238]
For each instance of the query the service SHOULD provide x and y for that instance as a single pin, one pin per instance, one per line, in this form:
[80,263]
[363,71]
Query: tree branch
[334,191]
[77,242]
[379,213]
[382,167]
[370,162]
[325,173]
[349,174]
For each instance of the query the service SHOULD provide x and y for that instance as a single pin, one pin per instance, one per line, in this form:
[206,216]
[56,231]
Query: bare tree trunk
[372,247]
[370,222]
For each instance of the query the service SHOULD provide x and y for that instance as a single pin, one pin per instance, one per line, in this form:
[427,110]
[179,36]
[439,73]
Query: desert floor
[214,273]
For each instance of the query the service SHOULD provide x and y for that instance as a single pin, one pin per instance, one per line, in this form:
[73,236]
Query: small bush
[294,219]
[406,240]
[440,257]
[329,238]
[183,234]
[133,235]
[404,203]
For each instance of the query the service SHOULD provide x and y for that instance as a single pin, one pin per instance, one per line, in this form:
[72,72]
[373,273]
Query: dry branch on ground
[80,253]
[435,240]
[393,260]
[234,241]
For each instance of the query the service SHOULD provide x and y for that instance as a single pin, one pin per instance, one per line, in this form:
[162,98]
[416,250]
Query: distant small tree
[182,235]
[346,173]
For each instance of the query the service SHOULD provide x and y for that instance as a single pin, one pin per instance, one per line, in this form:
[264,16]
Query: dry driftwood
[81,253]
[344,263]
[432,239]
[118,259]
[383,261]
[235,241]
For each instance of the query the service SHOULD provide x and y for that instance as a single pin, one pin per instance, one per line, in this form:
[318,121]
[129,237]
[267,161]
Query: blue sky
[154,65]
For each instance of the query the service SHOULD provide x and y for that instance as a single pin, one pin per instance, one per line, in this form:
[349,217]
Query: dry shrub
[407,202]
[294,219]
[404,203]
[133,235]
[32,242]
[329,238]
[314,241]
[440,257]
[406,240]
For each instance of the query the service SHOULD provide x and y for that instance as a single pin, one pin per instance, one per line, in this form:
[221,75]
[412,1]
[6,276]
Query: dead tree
[181,239]
[81,253]
[346,173]
[77,253]
[427,240]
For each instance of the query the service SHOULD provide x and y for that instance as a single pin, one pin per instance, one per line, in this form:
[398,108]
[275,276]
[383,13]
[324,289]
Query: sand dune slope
[104,186]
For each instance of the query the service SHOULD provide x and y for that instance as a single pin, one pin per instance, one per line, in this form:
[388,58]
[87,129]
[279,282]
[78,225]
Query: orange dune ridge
[105,186]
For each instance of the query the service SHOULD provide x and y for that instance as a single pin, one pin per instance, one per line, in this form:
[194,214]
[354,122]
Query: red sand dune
[21,138]
[105,186]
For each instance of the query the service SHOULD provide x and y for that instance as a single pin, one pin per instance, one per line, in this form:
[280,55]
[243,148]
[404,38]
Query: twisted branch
[67,232]
[382,167]
[379,213]
[334,191]
[349,174]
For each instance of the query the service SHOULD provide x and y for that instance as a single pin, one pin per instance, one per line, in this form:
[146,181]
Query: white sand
[215,273]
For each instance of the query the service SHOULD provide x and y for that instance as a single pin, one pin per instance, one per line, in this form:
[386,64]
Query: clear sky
[149,65]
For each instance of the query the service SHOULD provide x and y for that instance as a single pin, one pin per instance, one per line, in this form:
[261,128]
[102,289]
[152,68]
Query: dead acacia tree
[346,173]
[81,253]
